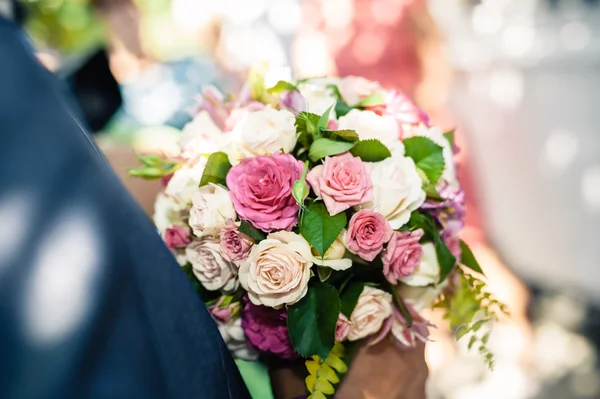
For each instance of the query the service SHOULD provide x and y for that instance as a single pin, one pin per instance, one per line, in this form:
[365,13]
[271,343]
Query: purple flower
[452,206]
[294,101]
[267,332]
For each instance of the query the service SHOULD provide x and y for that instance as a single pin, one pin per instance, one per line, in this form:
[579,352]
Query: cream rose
[334,257]
[397,189]
[355,89]
[373,307]
[421,297]
[436,135]
[277,270]
[318,96]
[263,132]
[369,125]
[209,267]
[211,207]
[184,184]
[428,271]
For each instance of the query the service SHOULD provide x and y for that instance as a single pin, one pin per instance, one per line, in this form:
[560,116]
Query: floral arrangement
[316,214]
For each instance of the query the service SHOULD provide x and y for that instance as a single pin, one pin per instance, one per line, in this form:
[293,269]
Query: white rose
[184,183]
[436,135]
[234,337]
[369,125]
[355,89]
[209,267]
[420,297]
[334,257]
[262,132]
[277,270]
[372,308]
[397,189]
[211,207]
[428,271]
[167,213]
[318,96]
[200,137]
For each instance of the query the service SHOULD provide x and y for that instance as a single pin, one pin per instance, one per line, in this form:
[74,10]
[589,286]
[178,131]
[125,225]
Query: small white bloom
[200,136]
[184,183]
[167,213]
[428,271]
[233,335]
[275,73]
[318,96]
[211,207]
[397,189]
[263,132]
[355,89]
[369,125]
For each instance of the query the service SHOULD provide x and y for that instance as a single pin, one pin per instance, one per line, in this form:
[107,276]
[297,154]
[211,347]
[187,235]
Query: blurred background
[518,79]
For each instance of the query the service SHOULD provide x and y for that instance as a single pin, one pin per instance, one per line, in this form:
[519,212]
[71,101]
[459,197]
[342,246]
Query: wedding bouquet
[315,214]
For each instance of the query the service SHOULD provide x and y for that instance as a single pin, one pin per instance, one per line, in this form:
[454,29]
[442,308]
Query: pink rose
[261,190]
[177,237]
[403,254]
[405,336]
[235,246]
[367,232]
[342,181]
[342,328]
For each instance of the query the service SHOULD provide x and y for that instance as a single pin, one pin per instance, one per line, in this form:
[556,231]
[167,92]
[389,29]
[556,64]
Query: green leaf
[151,160]
[341,108]
[444,256]
[216,169]
[336,363]
[341,135]
[478,325]
[450,137]
[472,341]
[324,273]
[311,321]
[461,332]
[371,150]
[149,172]
[335,91]
[428,156]
[349,297]
[468,259]
[251,231]
[324,119]
[322,148]
[282,86]
[431,192]
[373,99]
[319,228]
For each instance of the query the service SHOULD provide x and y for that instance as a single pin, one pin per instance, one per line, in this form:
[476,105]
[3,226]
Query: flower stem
[401,306]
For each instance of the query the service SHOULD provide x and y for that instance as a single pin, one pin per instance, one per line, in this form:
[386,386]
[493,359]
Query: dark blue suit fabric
[92,304]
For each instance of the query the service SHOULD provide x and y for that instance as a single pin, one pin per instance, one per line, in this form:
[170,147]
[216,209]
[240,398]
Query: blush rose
[342,181]
[367,232]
